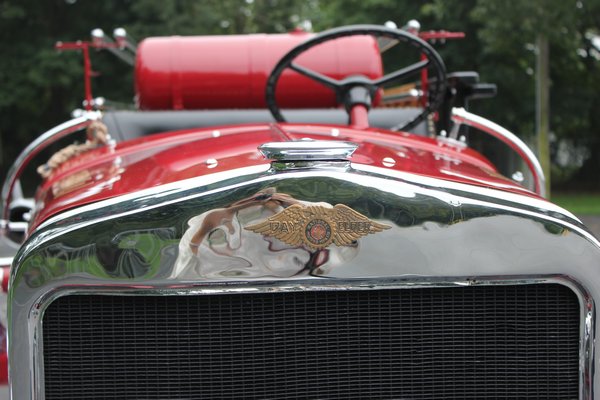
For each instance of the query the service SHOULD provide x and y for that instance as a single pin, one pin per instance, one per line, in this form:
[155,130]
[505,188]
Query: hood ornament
[317,226]
[308,150]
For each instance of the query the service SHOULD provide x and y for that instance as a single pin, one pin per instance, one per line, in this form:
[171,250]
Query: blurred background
[39,87]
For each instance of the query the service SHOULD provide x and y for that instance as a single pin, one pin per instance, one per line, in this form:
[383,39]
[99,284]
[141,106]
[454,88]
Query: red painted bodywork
[224,72]
[164,158]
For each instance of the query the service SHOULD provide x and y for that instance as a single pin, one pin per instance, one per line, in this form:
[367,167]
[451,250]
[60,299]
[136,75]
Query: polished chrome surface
[43,141]
[174,191]
[461,116]
[494,195]
[443,233]
[308,150]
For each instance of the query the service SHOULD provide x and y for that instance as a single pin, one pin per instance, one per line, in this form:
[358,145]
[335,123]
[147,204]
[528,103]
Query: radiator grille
[490,342]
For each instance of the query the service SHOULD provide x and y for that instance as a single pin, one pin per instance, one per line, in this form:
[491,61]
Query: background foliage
[39,87]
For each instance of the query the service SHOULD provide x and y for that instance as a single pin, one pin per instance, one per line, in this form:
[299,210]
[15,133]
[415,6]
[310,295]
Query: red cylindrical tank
[221,72]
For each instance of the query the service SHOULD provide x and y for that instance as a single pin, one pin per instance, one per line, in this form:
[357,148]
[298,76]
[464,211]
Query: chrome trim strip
[461,116]
[574,228]
[168,189]
[34,148]
[485,191]
[587,306]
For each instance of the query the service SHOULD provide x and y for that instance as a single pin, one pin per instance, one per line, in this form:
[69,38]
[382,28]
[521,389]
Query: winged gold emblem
[317,227]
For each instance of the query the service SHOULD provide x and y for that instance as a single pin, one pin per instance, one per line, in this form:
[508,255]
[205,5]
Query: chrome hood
[191,235]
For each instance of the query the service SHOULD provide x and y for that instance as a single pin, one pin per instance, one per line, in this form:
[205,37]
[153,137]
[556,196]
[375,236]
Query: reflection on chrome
[216,245]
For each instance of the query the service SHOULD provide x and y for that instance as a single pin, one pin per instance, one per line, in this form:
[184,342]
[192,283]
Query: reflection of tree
[407,211]
[142,251]
[132,254]
[57,260]
[374,203]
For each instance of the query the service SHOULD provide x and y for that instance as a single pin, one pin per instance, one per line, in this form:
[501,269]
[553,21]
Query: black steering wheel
[360,89]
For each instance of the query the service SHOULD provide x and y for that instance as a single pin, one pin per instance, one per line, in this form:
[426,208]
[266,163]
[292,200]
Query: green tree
[507,35]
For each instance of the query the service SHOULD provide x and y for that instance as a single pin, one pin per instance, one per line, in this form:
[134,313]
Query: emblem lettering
[354,226]
[282,226]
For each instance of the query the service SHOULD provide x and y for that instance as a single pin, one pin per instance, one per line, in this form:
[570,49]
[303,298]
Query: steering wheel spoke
[315,76]
[407,71]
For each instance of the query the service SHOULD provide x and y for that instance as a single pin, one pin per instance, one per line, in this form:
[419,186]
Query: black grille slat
[518,341]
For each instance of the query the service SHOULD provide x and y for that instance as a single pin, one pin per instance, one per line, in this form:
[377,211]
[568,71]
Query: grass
[578,203]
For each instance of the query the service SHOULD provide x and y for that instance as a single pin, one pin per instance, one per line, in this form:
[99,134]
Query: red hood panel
[159,159]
